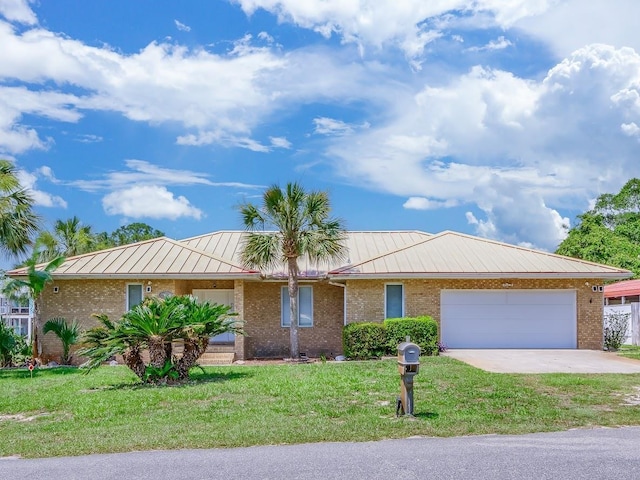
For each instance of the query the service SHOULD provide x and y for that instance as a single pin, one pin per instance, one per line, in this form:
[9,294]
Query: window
[394,300]
[134,295]
[305,307]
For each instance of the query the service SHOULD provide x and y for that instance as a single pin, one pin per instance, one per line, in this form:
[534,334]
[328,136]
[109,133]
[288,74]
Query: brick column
[238,303]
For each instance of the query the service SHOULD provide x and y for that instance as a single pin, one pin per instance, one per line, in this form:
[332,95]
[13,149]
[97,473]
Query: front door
[221,297]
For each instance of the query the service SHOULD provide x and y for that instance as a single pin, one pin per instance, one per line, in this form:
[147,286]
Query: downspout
[344,299]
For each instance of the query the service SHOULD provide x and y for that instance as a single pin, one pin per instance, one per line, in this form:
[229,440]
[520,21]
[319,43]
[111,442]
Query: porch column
[238,306]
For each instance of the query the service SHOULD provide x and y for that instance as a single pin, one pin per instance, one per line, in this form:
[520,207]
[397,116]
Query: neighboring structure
[17,316]
[483,293]
[624,297]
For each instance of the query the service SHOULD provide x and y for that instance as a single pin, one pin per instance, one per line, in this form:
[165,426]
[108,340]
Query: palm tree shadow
[195,379]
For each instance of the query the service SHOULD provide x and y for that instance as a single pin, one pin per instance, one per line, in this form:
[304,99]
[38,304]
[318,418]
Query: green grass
[630,351]
[107,411]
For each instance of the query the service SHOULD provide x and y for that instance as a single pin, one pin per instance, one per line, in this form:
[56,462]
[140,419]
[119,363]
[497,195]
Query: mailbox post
[408,366]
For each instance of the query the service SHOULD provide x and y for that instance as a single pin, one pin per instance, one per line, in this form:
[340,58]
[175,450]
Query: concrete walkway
[546,361]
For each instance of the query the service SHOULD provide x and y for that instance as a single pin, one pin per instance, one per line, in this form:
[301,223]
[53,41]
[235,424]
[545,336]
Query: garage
[508,318]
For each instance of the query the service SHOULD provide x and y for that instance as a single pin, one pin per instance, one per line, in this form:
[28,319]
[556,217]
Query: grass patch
[630,351]
[61,411]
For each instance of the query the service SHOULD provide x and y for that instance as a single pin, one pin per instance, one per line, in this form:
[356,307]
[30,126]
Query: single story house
[483,293]
[621,293]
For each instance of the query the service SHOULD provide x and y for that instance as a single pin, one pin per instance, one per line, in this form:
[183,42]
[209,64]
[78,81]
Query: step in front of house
[209,358]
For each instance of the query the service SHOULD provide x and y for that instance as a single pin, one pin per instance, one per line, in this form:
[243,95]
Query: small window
[305,307]
[394,301]
[134,295]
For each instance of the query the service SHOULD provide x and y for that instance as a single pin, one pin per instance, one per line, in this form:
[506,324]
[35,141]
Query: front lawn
[629,351]
[61,411]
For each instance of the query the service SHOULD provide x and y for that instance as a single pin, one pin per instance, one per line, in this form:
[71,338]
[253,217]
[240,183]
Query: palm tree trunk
[157,352]
[294,346]
[133,360]
[193,350]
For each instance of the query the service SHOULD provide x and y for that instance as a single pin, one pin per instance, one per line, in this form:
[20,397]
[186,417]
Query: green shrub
[615,329]
[362,341]
[423,331]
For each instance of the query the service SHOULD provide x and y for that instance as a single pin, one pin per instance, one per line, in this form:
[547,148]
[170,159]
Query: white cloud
[499,44]
[572,24]
[40,198]
[423,203]
[409,25]
[89,138]
[18,11]
[520,150]
[182,27]
[18,101]
[149,201]
[338,128]
[280,142]
[141,172]
[630,129]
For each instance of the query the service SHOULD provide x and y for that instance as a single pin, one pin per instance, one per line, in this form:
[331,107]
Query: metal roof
[159,257]
[360,245]
[399,254]
[455,255]
[622,289]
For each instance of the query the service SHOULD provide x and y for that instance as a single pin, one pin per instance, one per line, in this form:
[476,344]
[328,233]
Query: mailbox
[408,358]
[408,366]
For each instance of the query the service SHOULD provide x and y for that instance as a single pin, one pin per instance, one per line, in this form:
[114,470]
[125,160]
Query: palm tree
[74,237]
[34,284]
[68,238]
[67,333]
[154,325]
[18,222]
[301,226]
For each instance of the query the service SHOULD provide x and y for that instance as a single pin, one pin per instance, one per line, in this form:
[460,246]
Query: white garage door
[508,319]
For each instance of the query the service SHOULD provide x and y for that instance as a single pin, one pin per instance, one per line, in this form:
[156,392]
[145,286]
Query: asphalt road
[601,453]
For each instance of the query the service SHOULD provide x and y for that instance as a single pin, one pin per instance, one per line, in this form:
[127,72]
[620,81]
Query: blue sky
[498,119]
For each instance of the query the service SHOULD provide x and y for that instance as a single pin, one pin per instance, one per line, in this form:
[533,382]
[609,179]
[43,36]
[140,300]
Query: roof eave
[155,276]
[490,275]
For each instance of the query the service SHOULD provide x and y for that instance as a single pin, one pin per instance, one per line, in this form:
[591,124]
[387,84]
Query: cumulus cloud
[18,11]
[149,202]
[572,24]
[40,198]
[409,25]
[520,150]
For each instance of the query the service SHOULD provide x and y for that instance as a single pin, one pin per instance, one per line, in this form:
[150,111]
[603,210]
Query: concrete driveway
[546,361]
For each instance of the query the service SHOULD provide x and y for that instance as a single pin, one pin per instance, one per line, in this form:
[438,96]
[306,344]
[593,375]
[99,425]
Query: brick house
[484,294]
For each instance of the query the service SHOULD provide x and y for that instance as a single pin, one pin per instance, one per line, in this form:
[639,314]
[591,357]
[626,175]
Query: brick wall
[365,300]
[80,299]
[265,336]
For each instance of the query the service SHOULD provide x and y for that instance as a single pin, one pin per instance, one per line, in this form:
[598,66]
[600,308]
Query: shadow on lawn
[23,372]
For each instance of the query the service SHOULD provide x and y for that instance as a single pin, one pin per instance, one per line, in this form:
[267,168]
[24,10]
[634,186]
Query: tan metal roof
[361,246]
[455,255]
[400,254]
[160,257]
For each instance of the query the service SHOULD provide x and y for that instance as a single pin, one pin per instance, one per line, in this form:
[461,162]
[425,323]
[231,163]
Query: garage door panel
[514,319]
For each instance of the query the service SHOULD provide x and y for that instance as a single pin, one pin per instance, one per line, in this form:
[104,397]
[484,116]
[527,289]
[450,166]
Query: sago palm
[68,333]
[289,224]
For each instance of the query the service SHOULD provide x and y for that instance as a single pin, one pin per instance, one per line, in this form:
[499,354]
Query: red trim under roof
[622,289]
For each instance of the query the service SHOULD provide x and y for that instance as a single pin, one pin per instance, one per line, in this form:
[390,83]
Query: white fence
[633,330]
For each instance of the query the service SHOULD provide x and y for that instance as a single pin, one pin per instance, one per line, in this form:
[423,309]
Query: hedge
[362,341]
[423,331]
